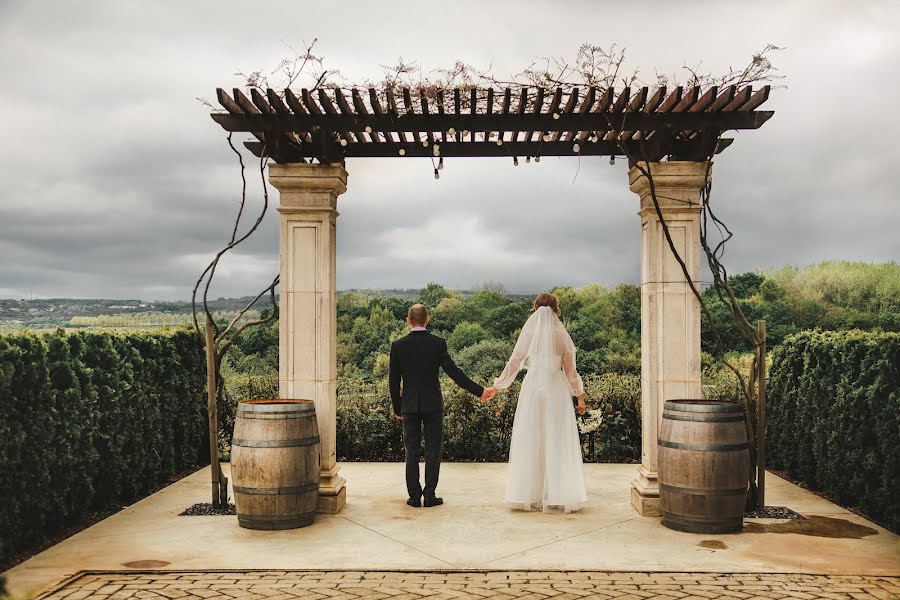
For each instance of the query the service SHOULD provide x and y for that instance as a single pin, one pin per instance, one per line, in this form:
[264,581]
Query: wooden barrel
[704,462]
[275,463]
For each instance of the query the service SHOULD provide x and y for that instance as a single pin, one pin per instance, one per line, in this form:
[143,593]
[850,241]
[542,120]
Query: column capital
[677,183]
[305,186]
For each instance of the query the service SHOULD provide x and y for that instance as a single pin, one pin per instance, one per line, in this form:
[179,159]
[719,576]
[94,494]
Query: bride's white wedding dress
[545,469]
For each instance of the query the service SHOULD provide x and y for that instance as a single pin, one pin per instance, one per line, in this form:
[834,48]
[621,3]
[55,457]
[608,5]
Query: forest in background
[604,323]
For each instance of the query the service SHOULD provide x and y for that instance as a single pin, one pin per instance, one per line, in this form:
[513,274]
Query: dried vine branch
[219,341]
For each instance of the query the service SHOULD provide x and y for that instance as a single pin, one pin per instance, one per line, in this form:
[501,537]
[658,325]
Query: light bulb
[436,174]
[516,161]
[499,142]
[437,146]
[441,164]
[528,159]
[537,159]
[368,129]
[451,131]
[576,148]
[424,143]
[343,142]
[546,137]
[465,132]
[555,115]
[436,152]
[402,152]
[612,159]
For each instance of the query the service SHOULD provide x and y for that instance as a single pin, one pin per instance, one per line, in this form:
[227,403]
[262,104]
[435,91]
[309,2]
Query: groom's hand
[488,393]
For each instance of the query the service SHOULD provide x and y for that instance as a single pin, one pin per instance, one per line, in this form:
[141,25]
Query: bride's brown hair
[546,299]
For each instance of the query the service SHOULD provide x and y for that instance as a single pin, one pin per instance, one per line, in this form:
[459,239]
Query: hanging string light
[436,174]
[528,159]
[368,129]
[515,161]
[343,142]
[576,148]
[402,152]
[556,115]
[547,137]
[537,159]
[612,159]
[441,164]
[451,131]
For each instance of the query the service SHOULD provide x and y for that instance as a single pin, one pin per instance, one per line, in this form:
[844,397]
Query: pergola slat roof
[323,125]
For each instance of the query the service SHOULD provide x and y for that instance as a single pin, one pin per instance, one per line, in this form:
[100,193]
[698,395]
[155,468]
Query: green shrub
[619,399]
[834,417]
[92,420]
[480,431]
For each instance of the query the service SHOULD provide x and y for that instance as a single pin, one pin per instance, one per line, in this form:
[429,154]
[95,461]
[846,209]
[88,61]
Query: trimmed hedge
[93,420]
[834,417]
[480,431]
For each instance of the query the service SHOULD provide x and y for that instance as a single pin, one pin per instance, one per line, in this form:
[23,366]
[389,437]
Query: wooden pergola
[668,135]
[329,125]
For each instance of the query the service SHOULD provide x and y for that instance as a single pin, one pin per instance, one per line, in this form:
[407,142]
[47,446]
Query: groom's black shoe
[433,501]
[414,502]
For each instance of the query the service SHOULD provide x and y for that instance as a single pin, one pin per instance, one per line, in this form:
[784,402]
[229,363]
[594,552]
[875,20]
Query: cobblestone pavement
[372,585]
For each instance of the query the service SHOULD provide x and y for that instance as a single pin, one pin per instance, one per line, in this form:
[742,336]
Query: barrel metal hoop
[682,406]
[297,489]
[700,525]
[702,418]
[275,443]
[276,407]
[275,416]
[703,447]
[289,522]
[698,492]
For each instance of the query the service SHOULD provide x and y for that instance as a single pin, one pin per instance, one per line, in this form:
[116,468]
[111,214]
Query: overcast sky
[114,181]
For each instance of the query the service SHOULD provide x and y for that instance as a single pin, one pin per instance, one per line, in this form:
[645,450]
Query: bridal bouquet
[590,421]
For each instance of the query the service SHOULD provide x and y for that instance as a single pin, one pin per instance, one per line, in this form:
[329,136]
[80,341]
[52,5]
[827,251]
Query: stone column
[670,314]
[307,323]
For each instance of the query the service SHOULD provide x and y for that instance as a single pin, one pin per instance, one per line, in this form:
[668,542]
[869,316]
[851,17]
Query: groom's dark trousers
[416,395]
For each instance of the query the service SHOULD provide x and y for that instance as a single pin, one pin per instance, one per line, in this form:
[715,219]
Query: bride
[545,470]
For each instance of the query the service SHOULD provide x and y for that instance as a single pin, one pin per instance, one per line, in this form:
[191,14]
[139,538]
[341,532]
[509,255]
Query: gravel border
[205,509]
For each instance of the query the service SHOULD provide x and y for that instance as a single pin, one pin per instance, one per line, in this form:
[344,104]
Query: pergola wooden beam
[483,122]
[323,124]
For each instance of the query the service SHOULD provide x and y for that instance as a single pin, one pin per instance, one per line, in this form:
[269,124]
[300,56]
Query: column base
[645,493]
[331,504]
[332,491]
[646,506]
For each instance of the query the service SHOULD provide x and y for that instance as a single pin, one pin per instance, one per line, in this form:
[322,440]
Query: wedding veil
[543,344]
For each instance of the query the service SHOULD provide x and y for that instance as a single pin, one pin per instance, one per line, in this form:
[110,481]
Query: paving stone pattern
[373,585]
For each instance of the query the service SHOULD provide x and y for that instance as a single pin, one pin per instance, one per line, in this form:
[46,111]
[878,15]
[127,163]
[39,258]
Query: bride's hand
[582,407]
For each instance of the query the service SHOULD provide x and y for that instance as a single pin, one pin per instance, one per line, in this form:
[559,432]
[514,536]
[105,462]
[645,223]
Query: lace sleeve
[513,366]
[517,360]
[567,350]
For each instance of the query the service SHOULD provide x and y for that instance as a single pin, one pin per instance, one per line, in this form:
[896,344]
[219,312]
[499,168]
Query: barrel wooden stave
[703,459]
[275,464]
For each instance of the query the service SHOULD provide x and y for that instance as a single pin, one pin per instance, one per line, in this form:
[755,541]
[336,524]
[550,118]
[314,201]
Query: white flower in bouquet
[590,421]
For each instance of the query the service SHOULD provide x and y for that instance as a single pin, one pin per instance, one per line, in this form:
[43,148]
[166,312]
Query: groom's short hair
[418,315]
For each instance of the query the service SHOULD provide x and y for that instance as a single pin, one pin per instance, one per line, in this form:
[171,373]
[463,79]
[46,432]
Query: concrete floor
[473,530]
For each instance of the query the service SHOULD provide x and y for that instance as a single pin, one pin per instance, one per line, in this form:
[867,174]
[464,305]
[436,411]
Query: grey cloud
[115,182]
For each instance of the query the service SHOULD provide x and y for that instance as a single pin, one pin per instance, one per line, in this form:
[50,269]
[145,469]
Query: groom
[415,359]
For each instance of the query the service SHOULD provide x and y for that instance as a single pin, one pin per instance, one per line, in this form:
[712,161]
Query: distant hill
[49,313]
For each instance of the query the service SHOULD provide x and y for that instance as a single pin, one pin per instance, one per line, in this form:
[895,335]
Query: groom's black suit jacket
[415,360]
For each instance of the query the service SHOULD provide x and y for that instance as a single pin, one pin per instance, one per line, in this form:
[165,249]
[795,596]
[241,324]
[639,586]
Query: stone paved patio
[378,532]
[372,585]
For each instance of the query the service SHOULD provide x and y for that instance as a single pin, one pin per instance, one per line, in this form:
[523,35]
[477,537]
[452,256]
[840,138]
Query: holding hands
[488,394]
